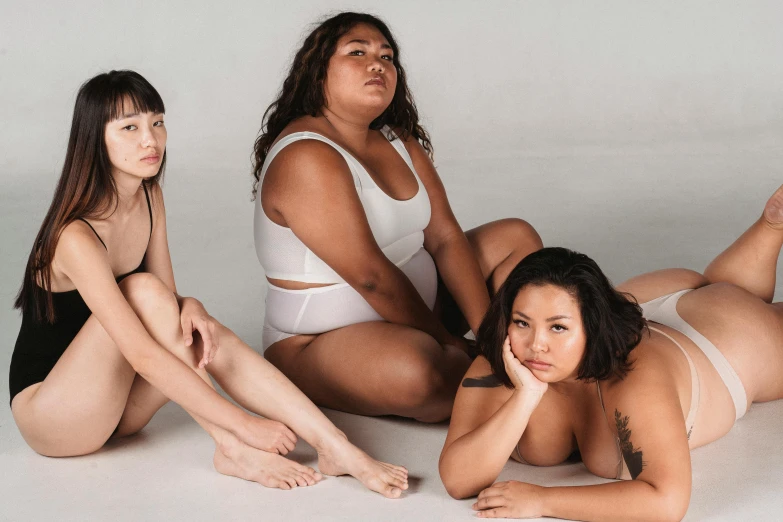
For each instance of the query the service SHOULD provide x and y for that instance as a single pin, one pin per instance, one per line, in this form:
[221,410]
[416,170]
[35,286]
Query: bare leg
[232,456]
[260,387]
[750,262]
[379,368]
[500,245]
[95,379]
[374,368]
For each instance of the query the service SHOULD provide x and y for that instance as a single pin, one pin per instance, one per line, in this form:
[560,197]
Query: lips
[377,81]
[152,159]
[537,365]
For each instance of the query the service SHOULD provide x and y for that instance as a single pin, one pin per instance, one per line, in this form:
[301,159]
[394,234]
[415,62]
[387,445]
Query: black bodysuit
[41,344]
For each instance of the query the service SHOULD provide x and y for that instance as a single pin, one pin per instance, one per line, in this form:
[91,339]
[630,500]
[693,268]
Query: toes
[401,469]
[398,482]
[391,492]
[301,480]
[396,472]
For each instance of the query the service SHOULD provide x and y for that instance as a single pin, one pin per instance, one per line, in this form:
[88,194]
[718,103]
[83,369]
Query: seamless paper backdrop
[645,134]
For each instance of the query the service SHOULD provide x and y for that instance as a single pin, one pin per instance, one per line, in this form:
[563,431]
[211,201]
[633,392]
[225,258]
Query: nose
[539,343]
[148,139]
[377,65]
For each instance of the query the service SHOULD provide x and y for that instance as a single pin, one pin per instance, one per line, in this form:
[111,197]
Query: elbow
[455,483]
[454,488]
[674,510]
[366,282]
[672,506]
[458,493]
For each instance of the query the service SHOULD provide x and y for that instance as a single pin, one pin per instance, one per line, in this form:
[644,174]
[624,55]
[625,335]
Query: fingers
[206,333]
[501,512]
[489,502]
[492,491]
[187,330]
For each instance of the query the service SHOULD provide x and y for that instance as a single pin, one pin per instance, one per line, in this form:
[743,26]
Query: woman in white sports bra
[629,388]
[353,229]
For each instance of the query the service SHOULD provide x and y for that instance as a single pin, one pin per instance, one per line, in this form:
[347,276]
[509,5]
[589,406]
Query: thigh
[79,404]
[372,368]
[746,330]
[653,285]
[500,245]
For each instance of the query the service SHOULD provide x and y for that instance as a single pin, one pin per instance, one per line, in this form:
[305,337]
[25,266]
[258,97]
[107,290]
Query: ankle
[227,444]
[331,441]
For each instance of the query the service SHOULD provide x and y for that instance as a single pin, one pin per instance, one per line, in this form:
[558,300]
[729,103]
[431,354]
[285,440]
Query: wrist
[545,505]
[526,399]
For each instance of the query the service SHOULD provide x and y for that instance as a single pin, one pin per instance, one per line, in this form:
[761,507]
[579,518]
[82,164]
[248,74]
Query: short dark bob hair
[612,320]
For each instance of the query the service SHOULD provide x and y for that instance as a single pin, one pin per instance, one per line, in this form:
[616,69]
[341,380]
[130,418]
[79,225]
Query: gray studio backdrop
[647,134]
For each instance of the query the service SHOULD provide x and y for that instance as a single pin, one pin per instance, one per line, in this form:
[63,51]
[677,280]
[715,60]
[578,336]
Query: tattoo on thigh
[487,381]
[631,455]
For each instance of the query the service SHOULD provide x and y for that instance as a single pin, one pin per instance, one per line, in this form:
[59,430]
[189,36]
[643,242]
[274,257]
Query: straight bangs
[132,97]
[130,93]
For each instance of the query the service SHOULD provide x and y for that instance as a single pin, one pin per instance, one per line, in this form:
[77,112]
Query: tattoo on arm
[487,381]
[631,455]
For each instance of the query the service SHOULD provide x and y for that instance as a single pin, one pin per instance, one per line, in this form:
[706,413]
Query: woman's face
[361,73]
[546,332]
[136,143]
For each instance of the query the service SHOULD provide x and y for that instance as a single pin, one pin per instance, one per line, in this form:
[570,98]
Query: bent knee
[520,232]
[146,292]
[425,387]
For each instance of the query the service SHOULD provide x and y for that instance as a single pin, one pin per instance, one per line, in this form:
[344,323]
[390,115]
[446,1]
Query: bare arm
[648,419]
[85,262]
[193,315]
[487,422]
[446,242]
[310,189]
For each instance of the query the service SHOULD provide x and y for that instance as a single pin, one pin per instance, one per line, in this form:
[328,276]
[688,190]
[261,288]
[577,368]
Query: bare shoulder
[77,245]
[650,374]
[480,376]
[307,160]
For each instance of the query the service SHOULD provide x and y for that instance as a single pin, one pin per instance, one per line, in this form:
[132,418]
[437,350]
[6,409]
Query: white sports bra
[397,226]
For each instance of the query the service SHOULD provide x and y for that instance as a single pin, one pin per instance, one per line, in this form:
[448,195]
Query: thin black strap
[94,232]
[149,207]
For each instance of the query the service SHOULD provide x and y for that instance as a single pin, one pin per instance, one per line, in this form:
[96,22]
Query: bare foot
[268,469]
[346,459]
[773,211]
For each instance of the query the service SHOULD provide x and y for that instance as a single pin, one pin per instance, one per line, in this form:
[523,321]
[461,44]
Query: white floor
[632,212]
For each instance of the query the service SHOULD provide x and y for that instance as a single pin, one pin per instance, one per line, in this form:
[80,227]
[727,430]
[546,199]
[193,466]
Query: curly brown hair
[303,89]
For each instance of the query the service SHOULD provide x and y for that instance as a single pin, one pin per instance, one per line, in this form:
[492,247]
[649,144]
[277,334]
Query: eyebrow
[365,42]
[549,319]
[134,114]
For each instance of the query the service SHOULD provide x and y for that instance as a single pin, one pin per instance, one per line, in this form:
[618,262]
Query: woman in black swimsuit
[99,353]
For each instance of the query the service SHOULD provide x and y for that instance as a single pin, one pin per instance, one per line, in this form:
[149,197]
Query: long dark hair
[303,89]
[86,187]
[612,320]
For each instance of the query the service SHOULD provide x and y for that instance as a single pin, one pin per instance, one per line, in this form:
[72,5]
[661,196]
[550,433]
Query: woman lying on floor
[106,340]
[572,365]
[356,235]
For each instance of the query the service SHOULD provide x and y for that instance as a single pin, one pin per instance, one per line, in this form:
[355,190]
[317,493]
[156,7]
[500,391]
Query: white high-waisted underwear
[318,310]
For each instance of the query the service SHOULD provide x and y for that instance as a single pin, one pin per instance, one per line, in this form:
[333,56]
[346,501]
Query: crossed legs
[379,368]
